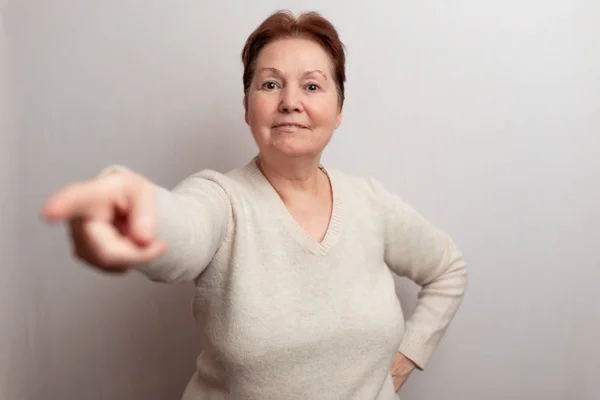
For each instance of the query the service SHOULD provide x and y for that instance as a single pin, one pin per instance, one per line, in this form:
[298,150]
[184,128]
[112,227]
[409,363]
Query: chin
[294,151]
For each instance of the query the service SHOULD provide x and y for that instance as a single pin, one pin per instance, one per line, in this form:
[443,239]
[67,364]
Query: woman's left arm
[415,249]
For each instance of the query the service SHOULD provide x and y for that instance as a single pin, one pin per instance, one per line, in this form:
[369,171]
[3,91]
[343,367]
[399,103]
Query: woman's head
[294,75]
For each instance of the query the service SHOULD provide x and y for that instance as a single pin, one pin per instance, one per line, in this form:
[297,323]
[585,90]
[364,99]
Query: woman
[291,261]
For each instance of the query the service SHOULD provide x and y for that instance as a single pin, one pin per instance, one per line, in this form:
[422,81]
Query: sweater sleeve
[193,219]
[416,249]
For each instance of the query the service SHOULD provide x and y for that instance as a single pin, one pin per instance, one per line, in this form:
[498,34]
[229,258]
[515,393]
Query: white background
[485,115]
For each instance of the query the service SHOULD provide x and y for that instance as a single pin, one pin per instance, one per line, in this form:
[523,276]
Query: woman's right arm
[192,220]
[121,220]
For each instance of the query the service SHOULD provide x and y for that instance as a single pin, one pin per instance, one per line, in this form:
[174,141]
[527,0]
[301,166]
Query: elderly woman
[292,261]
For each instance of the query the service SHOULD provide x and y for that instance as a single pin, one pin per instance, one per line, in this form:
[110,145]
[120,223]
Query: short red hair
[283,24]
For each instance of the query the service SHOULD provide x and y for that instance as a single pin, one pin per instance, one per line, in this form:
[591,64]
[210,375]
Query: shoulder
[358,186]
[228,184]
[370,195]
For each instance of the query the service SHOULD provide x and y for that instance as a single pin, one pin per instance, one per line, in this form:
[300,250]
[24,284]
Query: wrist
[404,364]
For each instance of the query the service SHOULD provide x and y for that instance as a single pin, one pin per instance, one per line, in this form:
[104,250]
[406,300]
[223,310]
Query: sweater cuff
[414,346]
[158,270]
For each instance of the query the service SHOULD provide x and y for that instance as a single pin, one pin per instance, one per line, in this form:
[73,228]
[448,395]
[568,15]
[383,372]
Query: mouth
[289,126]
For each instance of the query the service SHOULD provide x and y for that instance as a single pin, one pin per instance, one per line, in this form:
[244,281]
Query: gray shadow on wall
[98,85]
[224,144]
[133,337]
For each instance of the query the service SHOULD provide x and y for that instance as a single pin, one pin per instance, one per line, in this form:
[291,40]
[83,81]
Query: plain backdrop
[484,115]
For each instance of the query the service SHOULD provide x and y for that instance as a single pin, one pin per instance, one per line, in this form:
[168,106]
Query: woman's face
[293,105]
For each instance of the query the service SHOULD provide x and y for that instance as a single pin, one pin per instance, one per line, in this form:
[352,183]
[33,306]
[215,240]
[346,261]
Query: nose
[290,101]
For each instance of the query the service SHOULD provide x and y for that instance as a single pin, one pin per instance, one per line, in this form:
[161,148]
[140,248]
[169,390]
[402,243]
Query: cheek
[259,109]
[325,114]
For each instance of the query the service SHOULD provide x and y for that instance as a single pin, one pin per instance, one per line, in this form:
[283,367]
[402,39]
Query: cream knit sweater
[283,316]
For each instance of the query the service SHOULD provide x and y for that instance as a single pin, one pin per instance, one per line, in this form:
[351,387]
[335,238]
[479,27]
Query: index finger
[82,199]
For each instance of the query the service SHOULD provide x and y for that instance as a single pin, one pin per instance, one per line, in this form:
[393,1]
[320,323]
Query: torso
[298,303]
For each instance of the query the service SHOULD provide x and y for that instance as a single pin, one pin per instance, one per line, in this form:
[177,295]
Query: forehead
[294,54]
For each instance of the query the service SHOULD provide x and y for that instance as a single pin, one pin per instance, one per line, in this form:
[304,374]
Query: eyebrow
[278,72]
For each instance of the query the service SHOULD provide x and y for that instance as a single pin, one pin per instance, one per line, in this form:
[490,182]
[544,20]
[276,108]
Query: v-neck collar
[292,226]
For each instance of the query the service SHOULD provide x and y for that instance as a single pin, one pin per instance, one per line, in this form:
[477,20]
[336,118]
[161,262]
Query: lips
[290,125]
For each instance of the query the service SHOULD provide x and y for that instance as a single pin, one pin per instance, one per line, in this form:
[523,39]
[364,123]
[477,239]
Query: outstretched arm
[192,220]
[120,220]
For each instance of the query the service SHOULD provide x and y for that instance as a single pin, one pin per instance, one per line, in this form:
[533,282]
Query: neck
[293,177]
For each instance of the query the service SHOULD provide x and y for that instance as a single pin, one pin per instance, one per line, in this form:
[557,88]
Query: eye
[269,85]
[312,87]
